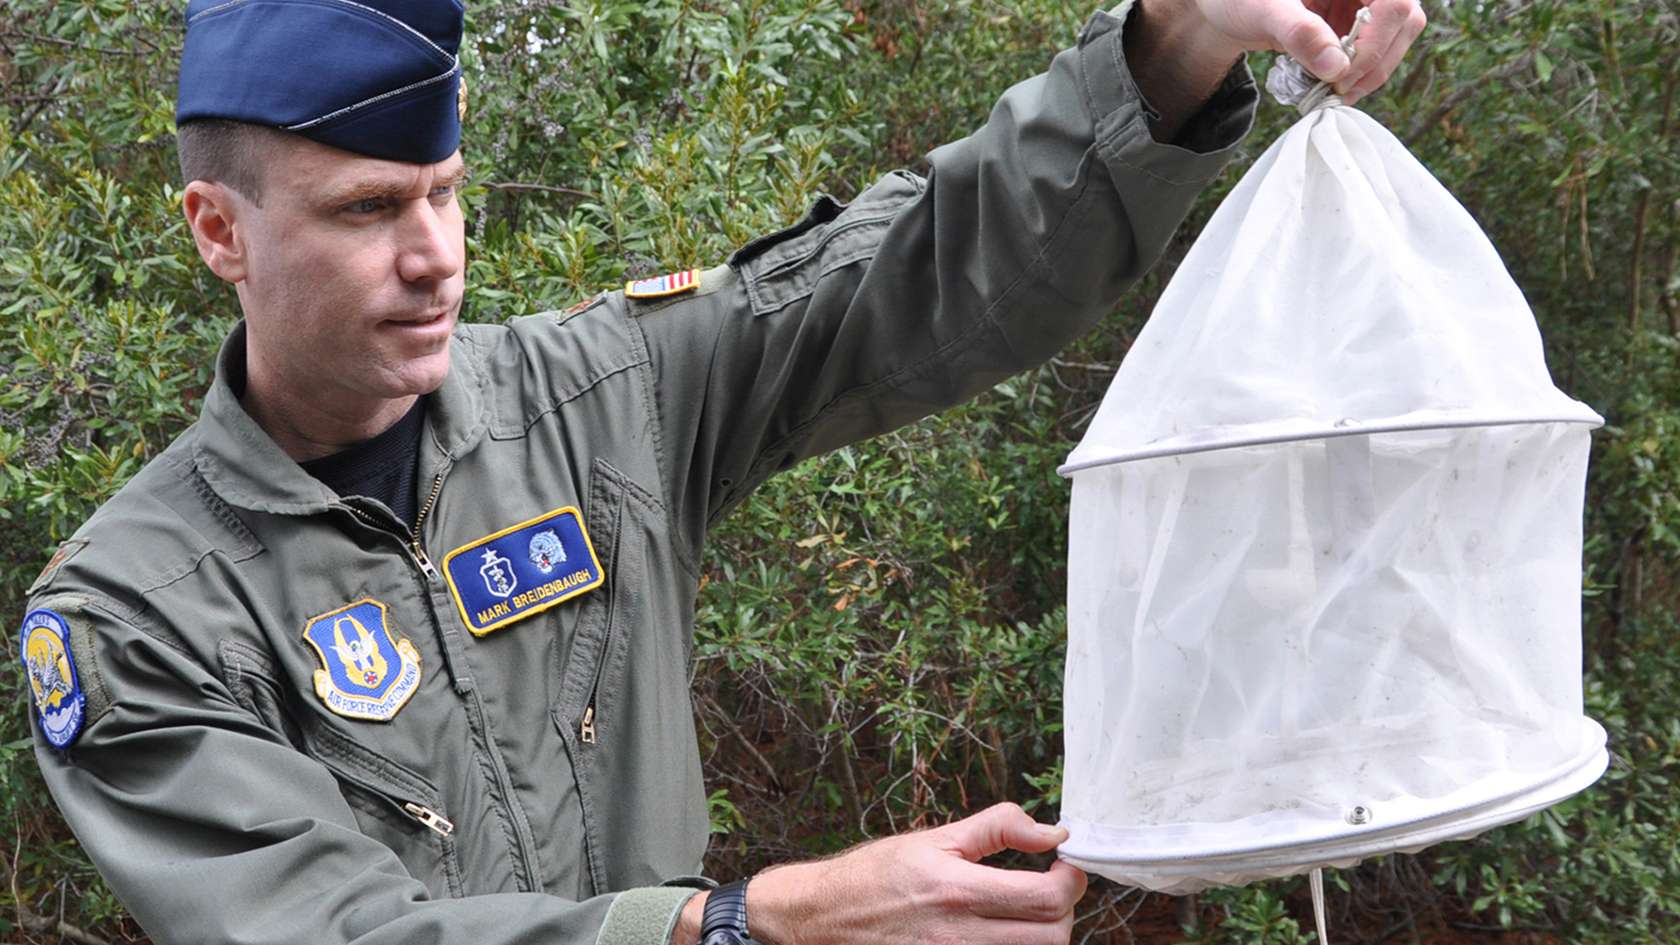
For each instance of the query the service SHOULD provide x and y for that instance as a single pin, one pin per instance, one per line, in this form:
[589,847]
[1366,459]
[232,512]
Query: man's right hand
[926,887]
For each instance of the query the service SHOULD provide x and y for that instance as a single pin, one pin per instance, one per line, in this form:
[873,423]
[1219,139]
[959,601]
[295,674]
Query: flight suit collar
[458,414]
[248,470]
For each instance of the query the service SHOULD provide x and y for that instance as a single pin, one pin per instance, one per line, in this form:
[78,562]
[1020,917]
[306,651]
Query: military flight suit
[543,779]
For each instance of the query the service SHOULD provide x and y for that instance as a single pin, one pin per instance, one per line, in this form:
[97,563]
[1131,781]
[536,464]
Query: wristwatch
[724,922]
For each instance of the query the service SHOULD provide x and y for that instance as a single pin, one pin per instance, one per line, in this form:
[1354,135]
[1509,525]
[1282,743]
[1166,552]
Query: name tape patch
[60,705]
[365,673]
[522,570]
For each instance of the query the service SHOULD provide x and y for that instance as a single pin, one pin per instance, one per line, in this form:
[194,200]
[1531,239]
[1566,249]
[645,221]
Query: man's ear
[213,212]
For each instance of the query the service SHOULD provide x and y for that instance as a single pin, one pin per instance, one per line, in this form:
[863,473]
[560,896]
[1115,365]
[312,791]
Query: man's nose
[428,244]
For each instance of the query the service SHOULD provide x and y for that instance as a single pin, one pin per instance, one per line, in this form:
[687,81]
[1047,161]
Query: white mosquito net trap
[1324,555]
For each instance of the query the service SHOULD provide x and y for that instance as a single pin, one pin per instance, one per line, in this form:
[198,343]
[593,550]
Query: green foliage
[916,649]
[881,629]
[1261,917]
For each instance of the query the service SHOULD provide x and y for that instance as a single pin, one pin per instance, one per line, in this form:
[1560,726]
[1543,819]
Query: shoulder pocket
[784,267]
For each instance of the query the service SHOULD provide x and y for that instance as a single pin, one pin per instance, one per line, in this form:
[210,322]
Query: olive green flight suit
[544,778]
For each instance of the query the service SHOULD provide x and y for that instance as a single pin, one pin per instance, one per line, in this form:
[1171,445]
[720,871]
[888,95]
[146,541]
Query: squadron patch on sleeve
[60,704]
[659,287]
[366,672]
[581,306]
[522,570]
[64,553]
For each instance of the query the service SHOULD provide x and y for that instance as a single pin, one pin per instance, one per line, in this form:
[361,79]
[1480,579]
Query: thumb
[1306,36]
[998,828]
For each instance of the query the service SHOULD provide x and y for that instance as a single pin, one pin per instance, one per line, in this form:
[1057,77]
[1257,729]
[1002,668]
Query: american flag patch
[673,284]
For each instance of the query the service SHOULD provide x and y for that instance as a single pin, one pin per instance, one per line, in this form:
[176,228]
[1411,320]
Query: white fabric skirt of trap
[1265,675]
[1325,541]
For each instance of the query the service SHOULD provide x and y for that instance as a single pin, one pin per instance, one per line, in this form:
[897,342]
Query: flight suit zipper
[426,810]
[433,820]
[524,846]
[414,543]
[411,541]
[586,728]
[427,813]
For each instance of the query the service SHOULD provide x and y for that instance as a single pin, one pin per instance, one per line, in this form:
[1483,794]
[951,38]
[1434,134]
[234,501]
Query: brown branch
[1463,93]
[1420,69]
[1641,215]
[517,187]
[40,106]
[843,759]
[1636,275]
[745,742]
[1665,297]
[32,921]
[47,925]
[72,44]
[1081,366]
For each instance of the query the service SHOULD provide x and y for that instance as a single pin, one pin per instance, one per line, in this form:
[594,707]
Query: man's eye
[370,205]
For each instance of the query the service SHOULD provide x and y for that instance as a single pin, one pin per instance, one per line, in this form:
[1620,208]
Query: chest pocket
[396,807]
[623,710]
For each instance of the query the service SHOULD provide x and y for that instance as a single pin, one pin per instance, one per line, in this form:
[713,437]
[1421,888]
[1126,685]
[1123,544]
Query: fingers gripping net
[1291,84]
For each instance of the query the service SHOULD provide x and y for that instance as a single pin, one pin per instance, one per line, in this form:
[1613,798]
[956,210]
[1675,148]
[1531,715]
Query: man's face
[353,274]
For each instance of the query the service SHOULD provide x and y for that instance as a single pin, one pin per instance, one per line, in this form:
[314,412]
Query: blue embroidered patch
[59,702]
[522,570]
[366,674]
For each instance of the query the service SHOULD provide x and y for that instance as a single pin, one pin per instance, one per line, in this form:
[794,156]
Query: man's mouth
[421,320]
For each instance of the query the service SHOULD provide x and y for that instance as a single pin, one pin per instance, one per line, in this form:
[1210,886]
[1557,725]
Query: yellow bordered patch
[522,570]
[659,287]
[60,704]
[366,672]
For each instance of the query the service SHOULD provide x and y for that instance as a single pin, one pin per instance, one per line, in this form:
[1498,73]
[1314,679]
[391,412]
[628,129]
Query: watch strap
[724,921]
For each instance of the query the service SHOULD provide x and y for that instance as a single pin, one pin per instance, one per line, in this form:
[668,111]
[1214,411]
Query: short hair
[226,152]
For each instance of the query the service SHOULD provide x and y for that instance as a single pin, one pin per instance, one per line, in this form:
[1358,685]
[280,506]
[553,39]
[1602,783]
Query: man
[392,645]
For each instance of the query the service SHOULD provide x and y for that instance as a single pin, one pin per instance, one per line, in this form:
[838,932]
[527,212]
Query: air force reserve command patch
[366,673]
[522,570]
[60,704]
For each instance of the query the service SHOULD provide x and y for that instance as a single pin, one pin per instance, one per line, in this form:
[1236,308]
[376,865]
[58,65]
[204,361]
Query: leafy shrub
[880,631]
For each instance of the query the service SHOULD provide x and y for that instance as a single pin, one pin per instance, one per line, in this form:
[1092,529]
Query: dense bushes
[880,633]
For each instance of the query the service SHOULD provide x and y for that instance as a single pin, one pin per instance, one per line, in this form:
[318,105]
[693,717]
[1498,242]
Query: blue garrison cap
[377,77]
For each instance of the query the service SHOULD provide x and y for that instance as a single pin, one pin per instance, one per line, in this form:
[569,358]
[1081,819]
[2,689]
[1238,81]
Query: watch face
[727,937]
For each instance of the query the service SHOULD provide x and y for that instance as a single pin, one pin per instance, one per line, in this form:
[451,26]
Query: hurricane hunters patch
[659,287]
[365,673]
[60,704]
[522,570]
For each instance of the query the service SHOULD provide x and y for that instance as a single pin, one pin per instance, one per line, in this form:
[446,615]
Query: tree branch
[71,44]
[1641,214]
[1463,93]
[517,187]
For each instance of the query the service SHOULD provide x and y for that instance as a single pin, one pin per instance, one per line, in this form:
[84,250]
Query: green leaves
[644,137]
[881,629]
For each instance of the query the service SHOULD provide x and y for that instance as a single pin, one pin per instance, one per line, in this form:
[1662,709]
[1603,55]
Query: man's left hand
[1310,32]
